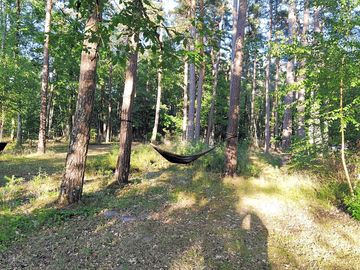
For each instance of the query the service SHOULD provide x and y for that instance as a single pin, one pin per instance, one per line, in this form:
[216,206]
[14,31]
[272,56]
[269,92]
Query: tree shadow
[187,219]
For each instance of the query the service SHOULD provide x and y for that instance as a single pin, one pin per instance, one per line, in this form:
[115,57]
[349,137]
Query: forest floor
[171,217]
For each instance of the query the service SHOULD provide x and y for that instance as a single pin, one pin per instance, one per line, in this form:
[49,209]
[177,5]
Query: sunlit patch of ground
[172,217]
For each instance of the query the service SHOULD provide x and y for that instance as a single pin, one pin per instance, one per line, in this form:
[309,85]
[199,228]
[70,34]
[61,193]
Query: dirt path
[303,233]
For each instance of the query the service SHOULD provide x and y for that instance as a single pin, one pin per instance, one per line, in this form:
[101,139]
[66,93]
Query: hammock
[179,159]
[2,146]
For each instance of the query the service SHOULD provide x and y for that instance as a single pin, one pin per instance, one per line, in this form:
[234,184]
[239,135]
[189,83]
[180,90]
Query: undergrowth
[327,167]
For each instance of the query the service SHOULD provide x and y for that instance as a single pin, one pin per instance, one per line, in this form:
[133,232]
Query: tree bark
[3,41]
[17,30]
[19,131]
[12,132]
[73,179]
[192,78]
[158,97]
[235,11]
[2,122]
[41,148]
[201,73]
[315,132]
[290,79]
[342,131]
[267,84]
[301,94]
[185,104]
[276,101]
[108,130]
[233,122]
[215,62]
[49,109]
[3,26]
[252,109]
[123,163]
[16,53]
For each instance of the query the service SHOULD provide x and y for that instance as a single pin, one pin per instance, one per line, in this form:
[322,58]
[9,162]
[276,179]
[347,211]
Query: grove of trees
[279,74]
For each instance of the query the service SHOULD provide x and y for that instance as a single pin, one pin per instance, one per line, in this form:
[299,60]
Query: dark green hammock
[180,159]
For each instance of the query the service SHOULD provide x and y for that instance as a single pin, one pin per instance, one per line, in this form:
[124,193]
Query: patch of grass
[271,159]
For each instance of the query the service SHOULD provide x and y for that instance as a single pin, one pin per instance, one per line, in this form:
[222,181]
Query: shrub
[353,203]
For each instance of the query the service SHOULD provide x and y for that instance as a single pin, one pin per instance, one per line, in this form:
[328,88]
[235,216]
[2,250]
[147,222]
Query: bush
[353,203]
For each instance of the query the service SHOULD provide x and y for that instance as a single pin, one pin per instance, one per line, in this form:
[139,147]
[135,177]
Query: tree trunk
[12,132]
[102,116]
[19,131]
[301,94]
[252,109]
[290,79]
[276,102]
[210,127]
[50,109]
[158,97]
[185,104]
[2,123]
[17,30]
[3,39]
[267,85]
[73,178]
[233,122]
[192,83]
[201,73]
[123,163]
[315,131]
[235,11]
[3,26]
[342,131]
[41,148]
[108,130]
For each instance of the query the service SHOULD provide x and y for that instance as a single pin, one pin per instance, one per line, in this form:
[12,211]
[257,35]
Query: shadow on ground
[179,219]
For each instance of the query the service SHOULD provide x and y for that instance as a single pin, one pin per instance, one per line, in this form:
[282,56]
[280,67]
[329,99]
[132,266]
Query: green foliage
[353,203]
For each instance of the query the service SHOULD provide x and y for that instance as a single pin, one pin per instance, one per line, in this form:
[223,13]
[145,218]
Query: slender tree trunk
[210,127]
[185,104]
[276,102]
[49,109]
[201,73]
[233,122]
[17,31]
[41,148]
[3,40]
[12,133]
[73,178]
[19,131]
[2,122]
[301,94]
[158,97]
[267,84]
[252,109]
[123,163]
[192,77]
[108,130]
[3,26]
[342,132]
[16,53]
[315,132]
[102,116]
[290,79]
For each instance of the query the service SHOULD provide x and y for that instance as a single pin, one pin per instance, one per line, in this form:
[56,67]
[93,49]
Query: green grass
[28,203]
[195,212]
